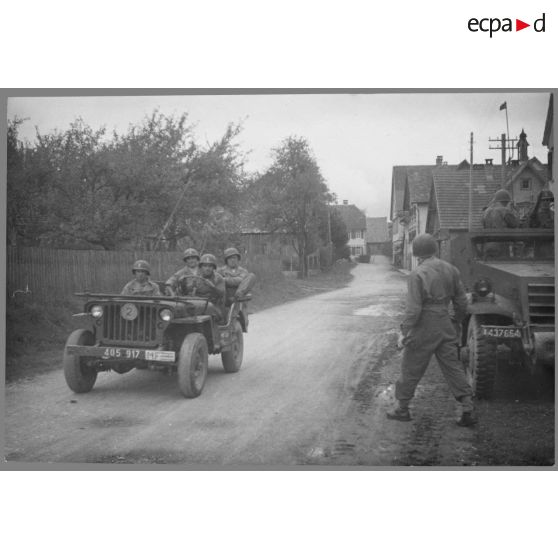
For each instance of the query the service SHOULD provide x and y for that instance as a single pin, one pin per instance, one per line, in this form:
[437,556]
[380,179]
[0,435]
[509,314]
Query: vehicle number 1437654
[115,352]
[505,332]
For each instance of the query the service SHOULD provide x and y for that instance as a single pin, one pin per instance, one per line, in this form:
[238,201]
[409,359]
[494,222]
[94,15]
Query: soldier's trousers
[434,334]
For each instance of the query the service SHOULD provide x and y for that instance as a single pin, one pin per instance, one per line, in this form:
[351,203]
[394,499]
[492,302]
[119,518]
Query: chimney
[488,162]
[439,160]
[345,202]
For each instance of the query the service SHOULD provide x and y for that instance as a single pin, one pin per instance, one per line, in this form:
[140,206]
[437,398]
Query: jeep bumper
[121,353]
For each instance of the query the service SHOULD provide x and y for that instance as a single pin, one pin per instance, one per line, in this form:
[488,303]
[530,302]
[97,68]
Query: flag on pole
[503,105]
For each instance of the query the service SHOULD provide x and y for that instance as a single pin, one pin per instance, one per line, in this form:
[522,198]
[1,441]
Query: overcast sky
[356,138]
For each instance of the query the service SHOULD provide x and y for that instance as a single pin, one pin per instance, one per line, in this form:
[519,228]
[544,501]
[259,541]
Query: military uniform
[428,329]
[178,278]
[498,216]
[237,280]
[212,288]
[134,287]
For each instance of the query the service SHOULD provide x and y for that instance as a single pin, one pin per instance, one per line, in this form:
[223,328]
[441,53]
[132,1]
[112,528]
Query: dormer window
[526,184]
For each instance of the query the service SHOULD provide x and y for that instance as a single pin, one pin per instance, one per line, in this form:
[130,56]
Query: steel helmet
[191,253]
[424,246]
[141,265]
[231,252]
[502,196]
[209,259]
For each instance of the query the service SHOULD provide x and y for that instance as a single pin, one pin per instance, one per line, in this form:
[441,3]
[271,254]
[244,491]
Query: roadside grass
[36,334]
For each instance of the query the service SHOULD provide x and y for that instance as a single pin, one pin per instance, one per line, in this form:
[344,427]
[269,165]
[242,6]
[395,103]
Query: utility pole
[504,143]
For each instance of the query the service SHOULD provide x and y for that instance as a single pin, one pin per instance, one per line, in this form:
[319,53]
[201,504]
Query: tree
[291,196]
[85,188]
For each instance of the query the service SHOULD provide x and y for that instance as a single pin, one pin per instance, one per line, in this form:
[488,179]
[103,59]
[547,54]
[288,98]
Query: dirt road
[313,390]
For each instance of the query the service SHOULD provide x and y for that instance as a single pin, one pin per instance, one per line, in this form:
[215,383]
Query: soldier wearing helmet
[191,257]
[238,280]
[428,329]
[542,215]
[499,215]
[207,284]
[141,285]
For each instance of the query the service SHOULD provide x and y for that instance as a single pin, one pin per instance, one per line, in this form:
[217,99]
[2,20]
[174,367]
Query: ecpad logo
[494,24]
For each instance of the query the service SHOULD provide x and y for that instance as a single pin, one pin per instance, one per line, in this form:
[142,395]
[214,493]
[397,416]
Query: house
[548,142]
[410,196]
[355,221]
[525,178]
[378,240]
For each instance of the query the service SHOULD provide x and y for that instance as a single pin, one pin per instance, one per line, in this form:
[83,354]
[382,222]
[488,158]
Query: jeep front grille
[142,330]
[541,304]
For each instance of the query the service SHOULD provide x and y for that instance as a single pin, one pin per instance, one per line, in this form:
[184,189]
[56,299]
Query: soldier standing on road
[427,330]
[141,285]
[238,280]
[192,258]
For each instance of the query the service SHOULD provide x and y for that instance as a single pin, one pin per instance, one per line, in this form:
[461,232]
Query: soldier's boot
[468,417]
[401,412]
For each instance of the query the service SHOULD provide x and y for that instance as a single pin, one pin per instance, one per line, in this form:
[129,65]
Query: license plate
[160,356]
[501,332]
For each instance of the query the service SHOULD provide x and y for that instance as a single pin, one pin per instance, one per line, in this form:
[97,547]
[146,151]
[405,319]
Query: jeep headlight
[482,287]
[165,315]
[96,311]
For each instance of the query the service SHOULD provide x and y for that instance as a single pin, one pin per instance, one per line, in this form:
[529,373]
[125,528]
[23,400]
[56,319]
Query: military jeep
[510,278]
[167,333]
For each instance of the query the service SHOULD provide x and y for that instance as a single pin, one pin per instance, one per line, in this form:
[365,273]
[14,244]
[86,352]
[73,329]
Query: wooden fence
[50,276]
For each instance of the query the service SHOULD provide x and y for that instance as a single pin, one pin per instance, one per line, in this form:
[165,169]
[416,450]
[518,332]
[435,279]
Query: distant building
[355,221]
[377,235]
[410,197]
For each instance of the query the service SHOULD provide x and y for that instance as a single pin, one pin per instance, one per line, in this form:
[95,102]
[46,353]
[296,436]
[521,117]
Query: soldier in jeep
[191,258]
[207,284]
[238,280]
[141,285]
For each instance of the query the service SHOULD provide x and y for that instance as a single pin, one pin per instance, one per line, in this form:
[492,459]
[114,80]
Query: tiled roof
[420,182]
[418,179]
[376,229]
[352,216]
[452,194]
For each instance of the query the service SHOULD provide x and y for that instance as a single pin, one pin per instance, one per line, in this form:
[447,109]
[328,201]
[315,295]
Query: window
[526,184]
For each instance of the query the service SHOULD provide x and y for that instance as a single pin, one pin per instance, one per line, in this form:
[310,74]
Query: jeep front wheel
[79,376]
[232,359]
[482,361]
[192,365]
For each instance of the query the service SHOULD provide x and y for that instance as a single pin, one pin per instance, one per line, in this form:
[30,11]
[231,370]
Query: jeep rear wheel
[482,361]
[192,365]
[232,359]
[79,376]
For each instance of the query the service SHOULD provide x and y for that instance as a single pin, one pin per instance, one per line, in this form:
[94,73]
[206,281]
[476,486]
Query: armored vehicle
[510,278]
[168,333]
